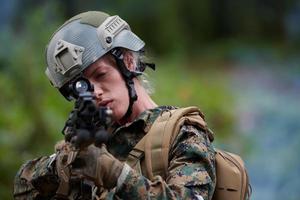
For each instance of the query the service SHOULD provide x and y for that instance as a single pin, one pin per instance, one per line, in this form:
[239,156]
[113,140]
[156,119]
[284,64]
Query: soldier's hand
[98,165]
[63,153]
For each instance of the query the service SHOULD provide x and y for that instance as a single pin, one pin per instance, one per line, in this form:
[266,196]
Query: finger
[80,173]
[59,145]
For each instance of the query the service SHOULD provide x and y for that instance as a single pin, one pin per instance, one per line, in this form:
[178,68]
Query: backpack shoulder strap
[153,152]
[155,145]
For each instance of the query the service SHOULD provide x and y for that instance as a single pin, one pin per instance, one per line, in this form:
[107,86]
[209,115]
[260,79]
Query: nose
[98,91]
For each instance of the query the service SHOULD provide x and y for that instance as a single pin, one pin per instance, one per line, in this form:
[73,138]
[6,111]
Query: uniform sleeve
[191,171]
[35,180]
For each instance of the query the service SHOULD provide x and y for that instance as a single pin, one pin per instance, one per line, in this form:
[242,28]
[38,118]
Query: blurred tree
[26,130]
[272,14]
[175,31]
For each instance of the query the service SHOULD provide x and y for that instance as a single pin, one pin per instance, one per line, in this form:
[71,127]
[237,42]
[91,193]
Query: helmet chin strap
[128,78]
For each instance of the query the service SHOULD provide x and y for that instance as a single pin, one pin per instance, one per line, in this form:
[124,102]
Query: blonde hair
[139,58]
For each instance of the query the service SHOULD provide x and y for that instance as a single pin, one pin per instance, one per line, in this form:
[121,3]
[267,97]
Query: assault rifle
[87,123]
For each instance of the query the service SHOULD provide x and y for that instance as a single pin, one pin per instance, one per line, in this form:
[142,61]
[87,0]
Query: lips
[104,103]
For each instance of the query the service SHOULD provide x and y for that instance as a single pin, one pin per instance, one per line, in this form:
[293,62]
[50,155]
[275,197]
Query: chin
[118,116]
[115,116]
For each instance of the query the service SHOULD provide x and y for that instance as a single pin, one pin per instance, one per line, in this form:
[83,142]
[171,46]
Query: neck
[144,102]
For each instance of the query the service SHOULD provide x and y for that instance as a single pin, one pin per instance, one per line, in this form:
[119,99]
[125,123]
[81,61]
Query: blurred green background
[237,60]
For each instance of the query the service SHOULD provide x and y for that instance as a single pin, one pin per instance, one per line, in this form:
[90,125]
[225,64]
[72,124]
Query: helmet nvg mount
[81,41]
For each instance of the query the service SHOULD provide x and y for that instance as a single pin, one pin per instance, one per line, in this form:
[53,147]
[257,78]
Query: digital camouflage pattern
[191,167]
[35,179]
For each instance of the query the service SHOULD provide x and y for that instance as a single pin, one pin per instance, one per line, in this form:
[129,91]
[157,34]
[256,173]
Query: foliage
[30,107]
[216,55]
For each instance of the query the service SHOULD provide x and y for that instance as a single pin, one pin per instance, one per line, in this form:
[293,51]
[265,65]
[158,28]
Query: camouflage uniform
[191,153]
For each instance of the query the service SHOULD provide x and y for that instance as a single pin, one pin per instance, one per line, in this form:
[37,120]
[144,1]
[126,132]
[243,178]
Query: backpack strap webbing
[156,143]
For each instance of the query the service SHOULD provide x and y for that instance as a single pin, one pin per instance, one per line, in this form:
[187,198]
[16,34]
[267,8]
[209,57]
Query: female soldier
[103,50]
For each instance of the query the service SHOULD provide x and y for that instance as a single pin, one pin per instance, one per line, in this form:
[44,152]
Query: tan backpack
[232,178]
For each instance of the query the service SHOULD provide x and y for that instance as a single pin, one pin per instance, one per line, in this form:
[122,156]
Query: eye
[99,75]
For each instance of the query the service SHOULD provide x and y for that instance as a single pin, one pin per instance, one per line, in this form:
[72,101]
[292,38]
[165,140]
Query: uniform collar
[143,122]
[124,138]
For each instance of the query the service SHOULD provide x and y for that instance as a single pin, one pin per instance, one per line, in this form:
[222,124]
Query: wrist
[108,170]
[124,173]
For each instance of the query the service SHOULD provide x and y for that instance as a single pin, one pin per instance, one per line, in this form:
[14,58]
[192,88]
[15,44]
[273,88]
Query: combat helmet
[82,40]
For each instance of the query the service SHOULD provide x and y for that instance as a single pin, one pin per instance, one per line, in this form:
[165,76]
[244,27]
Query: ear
[128,60]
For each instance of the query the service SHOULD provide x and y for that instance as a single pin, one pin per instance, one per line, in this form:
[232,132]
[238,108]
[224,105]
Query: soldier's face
[109,86]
